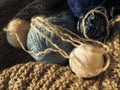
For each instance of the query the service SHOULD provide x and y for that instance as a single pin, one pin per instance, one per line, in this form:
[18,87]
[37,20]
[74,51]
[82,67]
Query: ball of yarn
[94,25]
[80,7]
[20,28]
[37,43]
[88,61]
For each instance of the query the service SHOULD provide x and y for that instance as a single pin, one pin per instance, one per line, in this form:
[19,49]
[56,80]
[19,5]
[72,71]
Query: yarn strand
[107,28]
[55,30]
[36,54]
[85,17]
[62,52]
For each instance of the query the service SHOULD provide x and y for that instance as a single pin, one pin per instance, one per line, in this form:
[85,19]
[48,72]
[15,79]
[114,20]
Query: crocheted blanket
[19,71]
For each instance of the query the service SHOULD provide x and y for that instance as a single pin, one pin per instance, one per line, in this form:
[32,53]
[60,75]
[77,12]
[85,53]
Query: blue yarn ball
[80,7]
[37,43]
[95,24]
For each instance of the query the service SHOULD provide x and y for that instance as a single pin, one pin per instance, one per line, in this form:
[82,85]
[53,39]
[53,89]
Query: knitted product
[25,9]
[37,76]
[10,56]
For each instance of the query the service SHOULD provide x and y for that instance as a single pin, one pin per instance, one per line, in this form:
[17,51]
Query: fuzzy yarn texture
[94,24]
[36,76]
[26,9]
[27,75]
[80,7]
[22,9]
[37,43]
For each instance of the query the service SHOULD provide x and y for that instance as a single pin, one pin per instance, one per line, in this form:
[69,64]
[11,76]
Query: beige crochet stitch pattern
[36,76]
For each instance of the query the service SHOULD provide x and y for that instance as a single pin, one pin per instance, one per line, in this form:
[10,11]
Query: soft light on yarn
[37,43]
[94,25]
[17,27]
[80,7]
[48,42]
[87,61]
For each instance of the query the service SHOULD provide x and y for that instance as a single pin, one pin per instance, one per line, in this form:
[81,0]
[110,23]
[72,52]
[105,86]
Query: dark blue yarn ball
[95,24]
[81,7]
[37,43]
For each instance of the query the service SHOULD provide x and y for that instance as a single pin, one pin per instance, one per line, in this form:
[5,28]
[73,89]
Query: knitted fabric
[38,76]
[10,56]
[25,9]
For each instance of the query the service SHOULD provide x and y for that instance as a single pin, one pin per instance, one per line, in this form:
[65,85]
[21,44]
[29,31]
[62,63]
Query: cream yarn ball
[17,28]
[87,61]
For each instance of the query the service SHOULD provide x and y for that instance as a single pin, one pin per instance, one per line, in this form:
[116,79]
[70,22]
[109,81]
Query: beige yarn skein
[88,61]
[17,27]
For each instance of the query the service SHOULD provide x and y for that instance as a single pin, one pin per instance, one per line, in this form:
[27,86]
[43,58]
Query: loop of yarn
[37,43]
[94,25]
[80,7]
[19,26]
[88,61]
[43,29]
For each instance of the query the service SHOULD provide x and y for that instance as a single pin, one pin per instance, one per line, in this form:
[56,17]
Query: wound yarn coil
[45,30]
[94,25]
[37,43]
[80,7]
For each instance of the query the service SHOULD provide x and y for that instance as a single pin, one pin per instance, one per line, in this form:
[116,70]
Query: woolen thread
[80,7]
[37,43]
[17,27]
[26,9]
[95,24]
[89,61]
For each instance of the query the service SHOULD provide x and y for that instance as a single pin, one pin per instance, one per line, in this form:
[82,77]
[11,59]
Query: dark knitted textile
[25,9]
[8,9]
[10,56]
